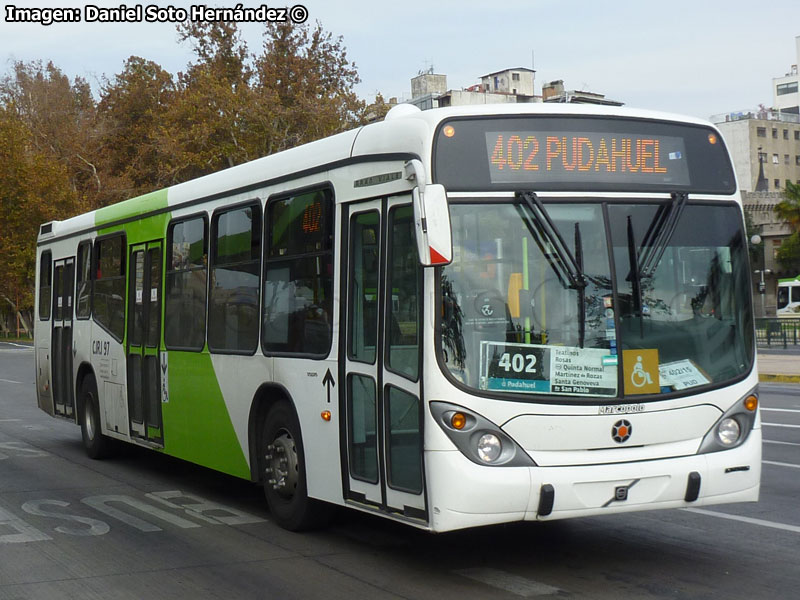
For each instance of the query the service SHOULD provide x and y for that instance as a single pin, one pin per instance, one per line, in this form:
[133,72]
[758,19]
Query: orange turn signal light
[448,131]
[751,403]
[712,139]
[326,415]
[458,421]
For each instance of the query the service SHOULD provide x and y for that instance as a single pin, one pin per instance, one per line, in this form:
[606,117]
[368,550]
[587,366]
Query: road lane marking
[521,586]
[11,381]
[781,425]
[780,464]
[750,520]
[789,410]
[781,443]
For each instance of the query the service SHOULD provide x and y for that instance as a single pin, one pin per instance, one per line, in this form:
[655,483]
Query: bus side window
[108,294]
[185,286]
[83,305]
[45,285]
[403,305]
[298,274]
[235,267]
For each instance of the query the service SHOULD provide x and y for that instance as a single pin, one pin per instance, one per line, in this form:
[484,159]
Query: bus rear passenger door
[144,338]
[61,341]
[382,436]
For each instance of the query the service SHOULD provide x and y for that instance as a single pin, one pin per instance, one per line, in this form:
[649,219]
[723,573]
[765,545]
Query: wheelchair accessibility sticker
[641,372]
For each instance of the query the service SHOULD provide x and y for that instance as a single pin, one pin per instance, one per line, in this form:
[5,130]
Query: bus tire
[284,472]
[97,445]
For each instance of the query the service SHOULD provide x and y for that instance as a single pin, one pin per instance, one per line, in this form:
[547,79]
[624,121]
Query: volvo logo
[622,430]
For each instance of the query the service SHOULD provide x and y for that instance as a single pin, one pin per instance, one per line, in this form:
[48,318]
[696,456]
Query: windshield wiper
[566,263]
[659,234]
[582,289]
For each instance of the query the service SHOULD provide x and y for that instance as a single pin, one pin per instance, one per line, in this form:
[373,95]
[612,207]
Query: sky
[699,57]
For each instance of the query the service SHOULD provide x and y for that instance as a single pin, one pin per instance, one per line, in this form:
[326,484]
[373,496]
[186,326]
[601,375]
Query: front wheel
[96,444]
[284,472]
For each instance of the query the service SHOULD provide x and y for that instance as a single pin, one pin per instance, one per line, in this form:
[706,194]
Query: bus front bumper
[464,494]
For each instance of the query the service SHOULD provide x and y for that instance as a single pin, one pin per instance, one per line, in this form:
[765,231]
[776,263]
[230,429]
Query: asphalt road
[146,526]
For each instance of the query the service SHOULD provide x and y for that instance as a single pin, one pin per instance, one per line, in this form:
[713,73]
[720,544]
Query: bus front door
[61,341]
[144,339]
[382,430]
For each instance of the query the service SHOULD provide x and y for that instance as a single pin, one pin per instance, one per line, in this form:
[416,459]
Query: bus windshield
[630,305]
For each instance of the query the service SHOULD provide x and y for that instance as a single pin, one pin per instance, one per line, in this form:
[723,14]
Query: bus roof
[406,131]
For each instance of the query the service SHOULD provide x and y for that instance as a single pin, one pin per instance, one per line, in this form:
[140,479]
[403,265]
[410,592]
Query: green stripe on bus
[133,207]
[197,426]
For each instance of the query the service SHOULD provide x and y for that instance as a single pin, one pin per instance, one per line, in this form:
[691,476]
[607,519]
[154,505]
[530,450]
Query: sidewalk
[779,365]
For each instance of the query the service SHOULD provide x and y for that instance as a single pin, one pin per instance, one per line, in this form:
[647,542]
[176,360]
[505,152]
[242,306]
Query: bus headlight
[489,447]
[480,440]
[728,431]
[732,428]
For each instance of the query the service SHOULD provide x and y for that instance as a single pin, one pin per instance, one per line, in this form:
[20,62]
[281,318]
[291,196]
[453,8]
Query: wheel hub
[281,465]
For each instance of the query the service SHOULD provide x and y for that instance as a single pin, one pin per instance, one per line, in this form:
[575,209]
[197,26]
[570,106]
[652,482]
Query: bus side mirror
[432,226]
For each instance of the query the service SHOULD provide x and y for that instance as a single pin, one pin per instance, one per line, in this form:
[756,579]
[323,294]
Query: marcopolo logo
[622,430]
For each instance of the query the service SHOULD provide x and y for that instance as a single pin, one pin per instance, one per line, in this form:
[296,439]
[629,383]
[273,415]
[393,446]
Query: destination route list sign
[533,368]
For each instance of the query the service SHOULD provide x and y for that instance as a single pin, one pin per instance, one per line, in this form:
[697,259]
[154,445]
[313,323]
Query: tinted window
[403,303]
[298,274]
[108,297]
[83,306]
[236,260]
[364,266]
[45,285]
[185,289]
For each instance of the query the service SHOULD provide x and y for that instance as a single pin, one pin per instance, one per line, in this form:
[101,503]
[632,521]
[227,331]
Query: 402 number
[518,363]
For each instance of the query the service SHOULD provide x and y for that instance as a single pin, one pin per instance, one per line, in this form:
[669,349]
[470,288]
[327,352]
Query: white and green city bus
[788,298]
[451,318]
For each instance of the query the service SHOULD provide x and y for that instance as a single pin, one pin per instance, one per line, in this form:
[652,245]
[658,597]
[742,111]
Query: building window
[761,132]
[777,183]
[774,133]
[797,160]
[185,291]
[776,244]
[797,135]
[786,134]
[787,88]
[775,160]
[298,274]
[786,159]
[235,269]
[515,77]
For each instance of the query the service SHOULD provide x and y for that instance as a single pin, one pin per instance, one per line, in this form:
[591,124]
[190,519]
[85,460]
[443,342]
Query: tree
[788,209]
[60,117]
[33,189]
[304,86]
[132,113]
[208,125]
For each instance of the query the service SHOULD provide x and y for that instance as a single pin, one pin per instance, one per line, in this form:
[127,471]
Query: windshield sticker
[533,368]
[640,369]
[682,374]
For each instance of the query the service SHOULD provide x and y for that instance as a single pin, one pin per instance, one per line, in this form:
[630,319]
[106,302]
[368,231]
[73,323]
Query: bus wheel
[96,444]
[284,472]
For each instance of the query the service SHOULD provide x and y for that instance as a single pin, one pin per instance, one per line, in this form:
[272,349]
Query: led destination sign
[523,156]
[586,153]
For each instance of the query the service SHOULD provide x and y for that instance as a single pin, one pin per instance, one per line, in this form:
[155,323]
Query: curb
[778,378]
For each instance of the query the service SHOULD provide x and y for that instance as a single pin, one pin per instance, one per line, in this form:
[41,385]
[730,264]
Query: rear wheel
[96,444]
[284,472]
